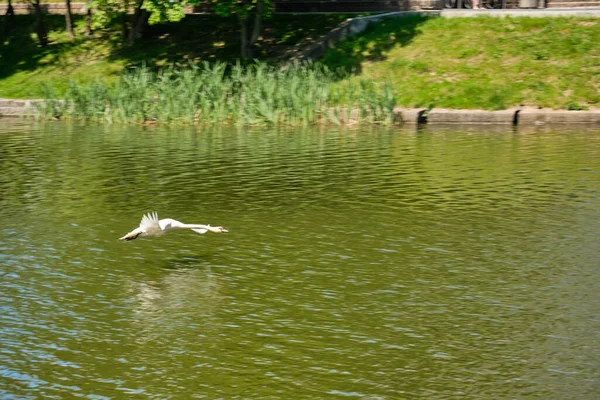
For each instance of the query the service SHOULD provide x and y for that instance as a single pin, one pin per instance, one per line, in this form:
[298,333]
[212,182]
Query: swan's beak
[222,230]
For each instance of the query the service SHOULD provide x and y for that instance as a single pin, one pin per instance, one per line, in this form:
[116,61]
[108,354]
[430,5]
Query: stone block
[534,116]
[15,111]
[409,115]
[482,117]
[12,103]
[10,107]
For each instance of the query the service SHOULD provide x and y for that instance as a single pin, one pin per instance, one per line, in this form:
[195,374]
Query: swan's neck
[199,226]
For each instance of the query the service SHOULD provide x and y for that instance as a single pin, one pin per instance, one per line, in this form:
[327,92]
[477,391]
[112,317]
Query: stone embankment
[413,116]
[17,108]
[515,116]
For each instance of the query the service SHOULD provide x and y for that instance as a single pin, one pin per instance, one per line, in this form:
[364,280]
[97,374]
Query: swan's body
[152,226]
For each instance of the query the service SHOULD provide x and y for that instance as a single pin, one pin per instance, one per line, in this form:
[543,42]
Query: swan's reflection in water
[184,299]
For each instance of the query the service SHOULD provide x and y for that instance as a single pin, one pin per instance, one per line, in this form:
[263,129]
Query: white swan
[152,226]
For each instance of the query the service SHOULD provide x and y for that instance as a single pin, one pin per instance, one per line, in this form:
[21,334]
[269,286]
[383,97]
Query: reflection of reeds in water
[257,94]
[180,300]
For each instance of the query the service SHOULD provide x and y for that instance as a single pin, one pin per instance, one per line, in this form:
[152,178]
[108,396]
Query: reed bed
[257,94]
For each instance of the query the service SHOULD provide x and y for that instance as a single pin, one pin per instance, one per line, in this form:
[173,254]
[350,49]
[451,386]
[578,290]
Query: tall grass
[257,94]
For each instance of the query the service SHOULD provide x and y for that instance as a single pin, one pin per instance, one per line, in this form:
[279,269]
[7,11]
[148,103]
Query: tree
[249,14]
[138,22]
[40,26]
[144,12]
[9,19]
[88,18]
[109,10]
[69,19]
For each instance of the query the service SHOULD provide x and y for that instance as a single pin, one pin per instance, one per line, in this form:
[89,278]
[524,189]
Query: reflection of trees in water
[184,300]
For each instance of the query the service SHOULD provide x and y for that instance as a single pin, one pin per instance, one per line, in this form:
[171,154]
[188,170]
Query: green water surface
[367,263]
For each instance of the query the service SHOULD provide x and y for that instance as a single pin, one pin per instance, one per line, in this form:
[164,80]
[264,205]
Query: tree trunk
[40,27]
[257,22]
[69,20]
[134,19]
[141,25]
[88,20]
[9,19]
[124,28]
[138,23]
[10,11]
[249,38]
[244,37]
[256,29]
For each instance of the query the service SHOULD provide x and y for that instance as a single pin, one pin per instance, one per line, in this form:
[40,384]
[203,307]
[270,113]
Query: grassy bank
[487,63]
[24,66]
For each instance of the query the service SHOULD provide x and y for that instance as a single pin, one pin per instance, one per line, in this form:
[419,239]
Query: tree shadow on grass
[372,44]
[204,37]
[20,50]
[198,37]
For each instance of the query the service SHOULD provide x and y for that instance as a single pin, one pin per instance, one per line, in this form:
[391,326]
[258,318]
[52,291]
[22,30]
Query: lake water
[376,263]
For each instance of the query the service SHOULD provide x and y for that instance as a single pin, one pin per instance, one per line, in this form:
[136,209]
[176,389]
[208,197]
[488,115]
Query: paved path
[79,8]
[535,12]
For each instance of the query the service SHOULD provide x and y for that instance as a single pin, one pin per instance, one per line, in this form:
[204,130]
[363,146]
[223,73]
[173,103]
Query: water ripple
[382,264]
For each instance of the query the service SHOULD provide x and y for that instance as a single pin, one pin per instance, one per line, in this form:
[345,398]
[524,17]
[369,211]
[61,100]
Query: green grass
[488,63]
[24,65]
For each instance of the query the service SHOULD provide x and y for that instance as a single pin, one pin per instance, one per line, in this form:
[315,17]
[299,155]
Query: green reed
[256,94]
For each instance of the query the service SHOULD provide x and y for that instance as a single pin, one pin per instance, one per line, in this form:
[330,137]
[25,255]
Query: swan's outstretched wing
[168,224]
[150,221]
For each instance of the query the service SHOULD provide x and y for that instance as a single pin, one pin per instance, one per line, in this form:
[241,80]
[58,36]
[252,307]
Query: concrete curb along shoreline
[17,108]
[446,116]
[522,116]
[514,116]
[532,116]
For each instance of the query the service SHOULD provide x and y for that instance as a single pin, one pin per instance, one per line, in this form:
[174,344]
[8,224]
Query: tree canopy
[144,12]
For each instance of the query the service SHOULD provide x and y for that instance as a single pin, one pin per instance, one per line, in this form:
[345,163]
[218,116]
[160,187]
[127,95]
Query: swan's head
[219,229]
